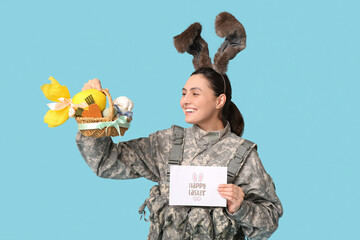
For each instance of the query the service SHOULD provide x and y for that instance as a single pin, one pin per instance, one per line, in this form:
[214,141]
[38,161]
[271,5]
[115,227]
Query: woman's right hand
[94,83]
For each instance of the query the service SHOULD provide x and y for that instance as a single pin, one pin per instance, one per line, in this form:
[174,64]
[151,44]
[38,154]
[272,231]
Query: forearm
[258,220]
[101,155]
[261,209]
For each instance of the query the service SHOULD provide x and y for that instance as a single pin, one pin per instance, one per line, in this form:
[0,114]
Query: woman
[253,208]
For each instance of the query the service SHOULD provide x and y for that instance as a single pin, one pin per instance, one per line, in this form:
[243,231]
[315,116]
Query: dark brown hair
[229,112]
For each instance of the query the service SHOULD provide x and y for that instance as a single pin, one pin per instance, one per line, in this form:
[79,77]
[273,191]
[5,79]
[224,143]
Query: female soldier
[253,208]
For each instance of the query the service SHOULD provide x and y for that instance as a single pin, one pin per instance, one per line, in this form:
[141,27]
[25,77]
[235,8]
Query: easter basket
[107,126]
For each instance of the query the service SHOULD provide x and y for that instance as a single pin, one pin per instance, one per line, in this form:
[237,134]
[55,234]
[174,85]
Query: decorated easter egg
[99,97]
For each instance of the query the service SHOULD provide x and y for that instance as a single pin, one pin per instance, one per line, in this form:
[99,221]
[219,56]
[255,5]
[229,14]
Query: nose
[184,101]
[187,99]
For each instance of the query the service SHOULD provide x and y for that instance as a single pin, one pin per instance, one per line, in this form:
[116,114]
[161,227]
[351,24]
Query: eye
[195,94]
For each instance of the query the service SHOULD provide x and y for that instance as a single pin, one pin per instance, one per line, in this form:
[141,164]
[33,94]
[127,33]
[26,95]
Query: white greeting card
[197,185]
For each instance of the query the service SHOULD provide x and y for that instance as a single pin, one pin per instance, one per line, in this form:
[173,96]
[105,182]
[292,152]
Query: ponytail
[232,114]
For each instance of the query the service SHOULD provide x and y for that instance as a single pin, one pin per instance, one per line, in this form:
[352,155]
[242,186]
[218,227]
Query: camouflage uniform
[148,157]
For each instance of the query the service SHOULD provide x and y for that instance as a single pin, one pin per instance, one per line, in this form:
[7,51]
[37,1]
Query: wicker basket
[110,131]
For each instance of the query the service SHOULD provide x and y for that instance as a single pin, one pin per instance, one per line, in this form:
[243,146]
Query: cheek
[209,106]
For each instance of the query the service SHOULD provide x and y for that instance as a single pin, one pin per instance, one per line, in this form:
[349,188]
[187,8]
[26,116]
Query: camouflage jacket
[148,157]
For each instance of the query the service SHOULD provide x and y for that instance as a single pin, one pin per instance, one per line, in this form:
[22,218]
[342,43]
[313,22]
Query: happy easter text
[197,189]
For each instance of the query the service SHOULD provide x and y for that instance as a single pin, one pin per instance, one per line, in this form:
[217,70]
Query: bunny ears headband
[226,25]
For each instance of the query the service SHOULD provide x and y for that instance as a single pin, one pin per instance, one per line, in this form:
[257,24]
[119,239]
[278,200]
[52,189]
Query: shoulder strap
[238,161]
[176,149]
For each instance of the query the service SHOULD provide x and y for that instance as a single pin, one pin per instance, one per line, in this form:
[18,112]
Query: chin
[190,121]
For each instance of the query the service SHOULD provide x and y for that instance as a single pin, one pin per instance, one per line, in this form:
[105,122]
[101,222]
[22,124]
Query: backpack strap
[177,147]
[238,161]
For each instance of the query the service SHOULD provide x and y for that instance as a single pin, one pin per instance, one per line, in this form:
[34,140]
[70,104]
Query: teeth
[189,110]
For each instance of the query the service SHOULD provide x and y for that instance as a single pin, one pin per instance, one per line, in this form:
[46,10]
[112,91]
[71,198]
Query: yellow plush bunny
[63,106]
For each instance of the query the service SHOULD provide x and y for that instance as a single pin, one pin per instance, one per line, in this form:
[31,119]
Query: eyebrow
[194,88]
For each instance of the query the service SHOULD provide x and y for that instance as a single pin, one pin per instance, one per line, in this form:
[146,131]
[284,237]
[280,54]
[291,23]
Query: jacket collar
[204,138]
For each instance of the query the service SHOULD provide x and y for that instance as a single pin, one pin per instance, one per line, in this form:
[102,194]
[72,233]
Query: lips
[190,110]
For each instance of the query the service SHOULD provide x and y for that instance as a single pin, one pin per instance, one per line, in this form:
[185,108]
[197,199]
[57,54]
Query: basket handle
[111,105]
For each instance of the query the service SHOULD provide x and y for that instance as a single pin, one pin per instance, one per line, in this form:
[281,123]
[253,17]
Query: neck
[212,127]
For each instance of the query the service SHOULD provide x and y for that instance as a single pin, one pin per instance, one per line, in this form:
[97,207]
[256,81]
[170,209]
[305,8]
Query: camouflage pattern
[257,217]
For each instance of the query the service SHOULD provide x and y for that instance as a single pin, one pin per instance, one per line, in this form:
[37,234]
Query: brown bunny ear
[226,25]
[191,42]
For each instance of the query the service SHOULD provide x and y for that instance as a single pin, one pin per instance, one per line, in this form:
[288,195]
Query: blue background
[296,84]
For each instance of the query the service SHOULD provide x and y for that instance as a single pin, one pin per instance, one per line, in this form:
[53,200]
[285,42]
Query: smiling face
[200,105]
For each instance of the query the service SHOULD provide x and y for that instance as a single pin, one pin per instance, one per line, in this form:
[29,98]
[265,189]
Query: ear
[220,101]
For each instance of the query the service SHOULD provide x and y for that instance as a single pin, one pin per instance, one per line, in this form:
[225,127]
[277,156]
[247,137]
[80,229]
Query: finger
[233,195]
[231,190]
[231,198]
[230,194]
[229,187]
[95,83]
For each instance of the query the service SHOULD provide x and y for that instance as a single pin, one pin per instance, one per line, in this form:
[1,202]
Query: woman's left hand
[234,196]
